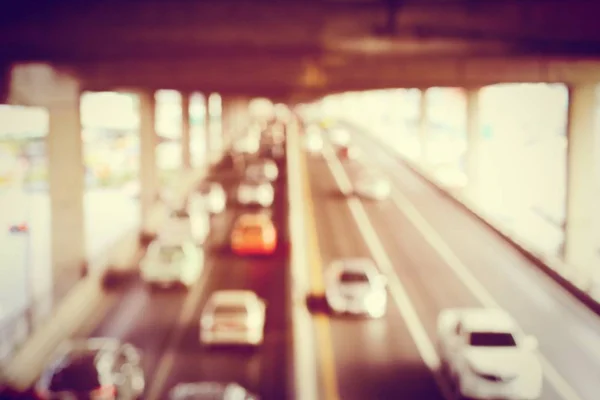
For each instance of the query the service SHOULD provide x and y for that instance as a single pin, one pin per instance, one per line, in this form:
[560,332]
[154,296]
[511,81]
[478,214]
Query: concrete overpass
[291,52]
[312,47]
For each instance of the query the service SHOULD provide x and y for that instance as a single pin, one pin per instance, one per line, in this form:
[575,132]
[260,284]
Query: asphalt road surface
[164,324]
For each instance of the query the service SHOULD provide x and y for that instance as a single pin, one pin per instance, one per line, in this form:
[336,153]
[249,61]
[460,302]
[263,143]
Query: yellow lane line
[322,325]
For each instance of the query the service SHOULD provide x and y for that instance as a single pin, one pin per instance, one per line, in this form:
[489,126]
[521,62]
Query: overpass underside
[306,48]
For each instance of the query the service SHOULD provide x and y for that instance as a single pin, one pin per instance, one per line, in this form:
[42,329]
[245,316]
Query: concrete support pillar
[474,138]
[423,129]
[148,169]
[580,234]
[42,85]
[186,158]
[66,178]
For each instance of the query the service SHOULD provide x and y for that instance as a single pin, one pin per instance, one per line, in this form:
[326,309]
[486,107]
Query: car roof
[169,241]
[487,320]
[232,296]
[358,264]
[253,219]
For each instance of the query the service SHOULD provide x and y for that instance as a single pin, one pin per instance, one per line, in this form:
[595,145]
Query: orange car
[253,234]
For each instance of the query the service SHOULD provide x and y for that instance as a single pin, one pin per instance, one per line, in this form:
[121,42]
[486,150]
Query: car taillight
[42,394]
[103,392]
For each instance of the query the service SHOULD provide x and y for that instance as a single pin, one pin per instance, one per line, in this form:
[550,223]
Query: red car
[348,152]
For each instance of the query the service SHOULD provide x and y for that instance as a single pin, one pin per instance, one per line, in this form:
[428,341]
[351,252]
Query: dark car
[210,391]
[96,368]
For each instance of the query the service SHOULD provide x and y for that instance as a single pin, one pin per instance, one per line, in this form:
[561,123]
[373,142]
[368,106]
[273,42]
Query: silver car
[373,186]
[213,195]
[210,391]
[233,317]
[262,171]
[192,223]
[169,263]
[355,286]
[252,193]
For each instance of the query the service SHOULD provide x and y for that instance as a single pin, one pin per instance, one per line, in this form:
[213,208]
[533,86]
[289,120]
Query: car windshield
[180,214]
[230,309]
[77,372]
[353,277]
[492,339]
[170,253]
[251,185]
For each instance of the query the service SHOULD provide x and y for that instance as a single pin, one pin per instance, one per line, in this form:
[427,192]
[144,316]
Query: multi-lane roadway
[436,257]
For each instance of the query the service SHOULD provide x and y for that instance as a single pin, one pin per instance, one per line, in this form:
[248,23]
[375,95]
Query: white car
[212,195]
[355,286]
[233,317]
[192,223]
[167,263]
[249,144]
[339,137]
[250,193]
[262,171]
[372,185]
[313,140]
[210,390]
[487,356]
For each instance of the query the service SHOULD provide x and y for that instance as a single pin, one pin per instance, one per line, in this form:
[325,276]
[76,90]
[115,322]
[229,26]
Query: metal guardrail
[19,326]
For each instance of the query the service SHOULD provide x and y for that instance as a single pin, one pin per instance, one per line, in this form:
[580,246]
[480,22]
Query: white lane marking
[585,334]
[305,361]
[408,311]
[434,239]
[184,321]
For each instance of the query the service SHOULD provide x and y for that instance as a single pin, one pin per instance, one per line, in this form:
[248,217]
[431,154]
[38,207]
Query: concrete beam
[315,77]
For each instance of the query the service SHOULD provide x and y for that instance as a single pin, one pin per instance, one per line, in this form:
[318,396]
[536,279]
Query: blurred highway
[109,214]
[164,323]
[436,256]
[440,257]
